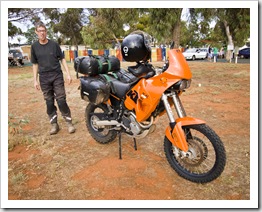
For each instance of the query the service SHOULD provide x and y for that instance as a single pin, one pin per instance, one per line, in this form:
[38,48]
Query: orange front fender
[177,136]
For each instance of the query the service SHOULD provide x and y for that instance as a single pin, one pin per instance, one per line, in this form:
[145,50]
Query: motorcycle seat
[142,70]
[118,88]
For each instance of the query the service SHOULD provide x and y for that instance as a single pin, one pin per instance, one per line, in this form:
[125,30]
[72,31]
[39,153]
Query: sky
[23,39]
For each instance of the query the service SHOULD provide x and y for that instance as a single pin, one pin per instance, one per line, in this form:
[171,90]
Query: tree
[232,24]
[21,15]
[24,14]
[165,24]
[187,32]
[13,30]
[70,25]
[28,17]
[141,23]
[106,26]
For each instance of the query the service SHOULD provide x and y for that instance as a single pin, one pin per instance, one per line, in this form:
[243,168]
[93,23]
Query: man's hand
[69,79]
[35,72]
[36,85]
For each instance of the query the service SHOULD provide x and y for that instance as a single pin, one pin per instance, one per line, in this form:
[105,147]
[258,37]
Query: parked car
[244,53]
[204,50]
[14,56]
[195,53]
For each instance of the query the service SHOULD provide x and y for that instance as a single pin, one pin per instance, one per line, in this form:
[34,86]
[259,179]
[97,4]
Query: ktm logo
[133,95]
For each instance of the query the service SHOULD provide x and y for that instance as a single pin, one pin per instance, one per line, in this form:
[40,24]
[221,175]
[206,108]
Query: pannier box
[94,89]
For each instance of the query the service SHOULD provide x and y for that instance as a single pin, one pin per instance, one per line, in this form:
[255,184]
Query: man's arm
[35,72]
[67,70]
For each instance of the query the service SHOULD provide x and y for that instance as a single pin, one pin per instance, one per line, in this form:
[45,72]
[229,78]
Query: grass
[16,140]
[216,93]
[241,74]
[18,178]
[15,123]
[15,128]
[20,76]
[34,100]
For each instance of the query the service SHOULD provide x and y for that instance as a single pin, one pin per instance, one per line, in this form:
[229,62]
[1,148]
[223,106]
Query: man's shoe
[54,129]
[71,128]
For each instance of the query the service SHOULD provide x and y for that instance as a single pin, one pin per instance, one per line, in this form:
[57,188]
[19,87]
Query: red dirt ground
[75,167]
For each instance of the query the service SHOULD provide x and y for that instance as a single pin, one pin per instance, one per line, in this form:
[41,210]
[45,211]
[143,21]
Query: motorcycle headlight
[182,84]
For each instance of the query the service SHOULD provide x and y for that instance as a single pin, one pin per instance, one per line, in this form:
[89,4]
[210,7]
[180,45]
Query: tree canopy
[232,25]
[165,24]
[105,27]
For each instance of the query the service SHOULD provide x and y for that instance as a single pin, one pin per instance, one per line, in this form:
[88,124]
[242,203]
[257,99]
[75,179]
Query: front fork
[174,131]
[177,103]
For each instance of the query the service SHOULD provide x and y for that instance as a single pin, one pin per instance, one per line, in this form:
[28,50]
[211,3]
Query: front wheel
[94,113]
[206,156]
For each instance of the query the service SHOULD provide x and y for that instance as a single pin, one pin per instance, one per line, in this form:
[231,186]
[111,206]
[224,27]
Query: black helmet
[136,47]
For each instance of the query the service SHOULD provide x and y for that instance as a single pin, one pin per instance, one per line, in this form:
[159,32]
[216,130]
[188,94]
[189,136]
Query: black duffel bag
[108,64]
[94,89]
[94,65]
[86,65]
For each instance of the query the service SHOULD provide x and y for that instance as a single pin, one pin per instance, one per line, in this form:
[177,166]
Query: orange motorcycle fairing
[145,95]
[177,136]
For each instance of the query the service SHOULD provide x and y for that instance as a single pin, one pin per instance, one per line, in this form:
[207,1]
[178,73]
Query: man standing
[45,56]
[215,52]
[209,53]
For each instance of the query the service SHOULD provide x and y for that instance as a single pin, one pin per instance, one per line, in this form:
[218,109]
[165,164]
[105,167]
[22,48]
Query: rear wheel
[94,113]
[205,159]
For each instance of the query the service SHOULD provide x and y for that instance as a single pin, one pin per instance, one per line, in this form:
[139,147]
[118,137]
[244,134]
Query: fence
[158,54]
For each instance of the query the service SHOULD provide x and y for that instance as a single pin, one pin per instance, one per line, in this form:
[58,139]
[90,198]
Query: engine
[137,129]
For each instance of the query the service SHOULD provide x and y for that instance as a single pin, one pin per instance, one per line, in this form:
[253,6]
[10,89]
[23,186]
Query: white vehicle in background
[194,53]
[15,57]
[204,50]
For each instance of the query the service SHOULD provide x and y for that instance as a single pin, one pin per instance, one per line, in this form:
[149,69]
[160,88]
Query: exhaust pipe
[106,123]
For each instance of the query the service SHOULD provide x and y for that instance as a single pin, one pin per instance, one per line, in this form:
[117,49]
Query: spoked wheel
[94,113]
[205,159]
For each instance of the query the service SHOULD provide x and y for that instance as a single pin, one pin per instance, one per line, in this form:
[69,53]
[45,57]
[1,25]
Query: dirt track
[75,167]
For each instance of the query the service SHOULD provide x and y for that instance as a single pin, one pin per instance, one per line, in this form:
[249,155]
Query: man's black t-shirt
[47,56]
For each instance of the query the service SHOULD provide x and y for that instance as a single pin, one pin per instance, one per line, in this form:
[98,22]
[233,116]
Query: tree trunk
[230,41]
[176,30]
[176,34]
[118,43]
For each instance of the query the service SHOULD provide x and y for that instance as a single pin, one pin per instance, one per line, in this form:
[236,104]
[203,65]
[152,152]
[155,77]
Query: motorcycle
[131,101]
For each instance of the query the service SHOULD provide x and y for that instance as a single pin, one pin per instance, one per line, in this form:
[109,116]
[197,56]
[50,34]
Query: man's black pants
[52,86]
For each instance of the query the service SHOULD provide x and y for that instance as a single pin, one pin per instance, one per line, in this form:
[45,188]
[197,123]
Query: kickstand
[135,146]
[119,145]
